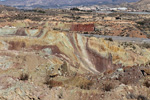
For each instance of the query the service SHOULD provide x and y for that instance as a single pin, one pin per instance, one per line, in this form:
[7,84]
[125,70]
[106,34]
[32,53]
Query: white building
[122,8]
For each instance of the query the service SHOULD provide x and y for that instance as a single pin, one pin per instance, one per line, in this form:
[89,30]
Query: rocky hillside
[41,63]
[7,8]
[44,55]
[142,5]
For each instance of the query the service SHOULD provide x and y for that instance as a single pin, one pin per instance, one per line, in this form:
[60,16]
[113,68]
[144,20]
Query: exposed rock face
[92,54]
[40,63]
[41,59]
[111,28]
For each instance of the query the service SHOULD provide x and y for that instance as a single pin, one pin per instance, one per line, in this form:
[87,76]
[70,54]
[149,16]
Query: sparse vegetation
[75,9]
[130,44]
[108,87]
[24,77]
[86,33]
[64,69]
[141,97]
[50,82]
[109,39]
[145,45]
[131,96]
[141,23]
[80,82]
[144,26]
[86,86]
[147,83]
[41,11]
[53,83]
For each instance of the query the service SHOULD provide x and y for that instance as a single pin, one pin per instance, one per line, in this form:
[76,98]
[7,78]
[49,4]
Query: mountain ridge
[142,5]
[57,3]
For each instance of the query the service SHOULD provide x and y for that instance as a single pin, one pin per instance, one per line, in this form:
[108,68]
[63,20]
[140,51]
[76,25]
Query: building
[82,27]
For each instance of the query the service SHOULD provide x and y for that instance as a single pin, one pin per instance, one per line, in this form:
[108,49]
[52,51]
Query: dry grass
[52,83]
[80,82]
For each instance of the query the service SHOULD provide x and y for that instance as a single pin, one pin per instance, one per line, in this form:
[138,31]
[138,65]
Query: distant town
[105,8]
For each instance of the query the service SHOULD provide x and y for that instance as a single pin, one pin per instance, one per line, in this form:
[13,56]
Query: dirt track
[120,39]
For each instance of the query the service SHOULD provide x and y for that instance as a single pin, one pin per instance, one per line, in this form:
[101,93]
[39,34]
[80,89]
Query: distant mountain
[8,8]
[57,3]
[142,5]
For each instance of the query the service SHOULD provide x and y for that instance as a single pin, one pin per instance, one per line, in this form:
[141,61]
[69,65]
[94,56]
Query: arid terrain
[57,54]
[141,5]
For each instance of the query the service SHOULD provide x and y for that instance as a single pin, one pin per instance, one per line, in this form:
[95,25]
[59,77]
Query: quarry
[59,54]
